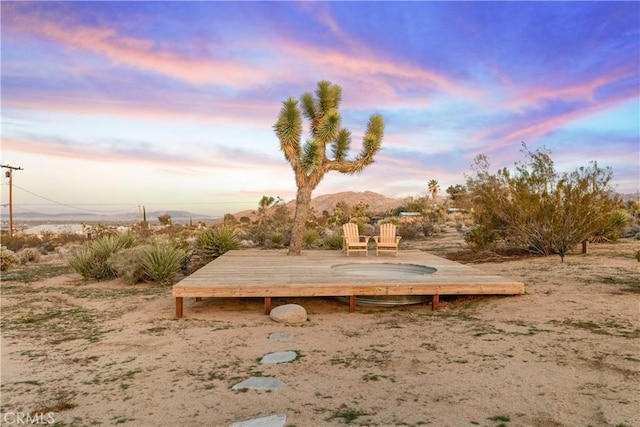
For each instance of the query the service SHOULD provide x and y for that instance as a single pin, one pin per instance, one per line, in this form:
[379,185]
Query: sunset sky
[111,105]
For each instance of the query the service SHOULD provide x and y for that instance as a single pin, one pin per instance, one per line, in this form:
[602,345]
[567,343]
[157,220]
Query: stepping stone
[277,420]
[259,383]
[289,313]
[279,357]
[276,336]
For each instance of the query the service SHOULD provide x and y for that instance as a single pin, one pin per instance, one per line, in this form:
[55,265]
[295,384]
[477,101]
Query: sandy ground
[566,353]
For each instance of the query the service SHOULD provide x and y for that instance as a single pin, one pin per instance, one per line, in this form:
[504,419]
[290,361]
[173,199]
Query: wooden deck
[271,273]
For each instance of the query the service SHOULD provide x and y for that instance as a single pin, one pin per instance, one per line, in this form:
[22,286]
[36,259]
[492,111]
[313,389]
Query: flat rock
[277,336]
[279,357]
[259,383]
[289,313]
[277,420]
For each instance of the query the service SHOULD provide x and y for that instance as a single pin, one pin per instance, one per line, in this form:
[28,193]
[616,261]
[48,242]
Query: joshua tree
[433,188]
[310,161]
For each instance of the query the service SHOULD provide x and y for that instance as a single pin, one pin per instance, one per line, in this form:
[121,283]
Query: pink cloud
[194,108]
[581,91]
[135,52]
[105,152]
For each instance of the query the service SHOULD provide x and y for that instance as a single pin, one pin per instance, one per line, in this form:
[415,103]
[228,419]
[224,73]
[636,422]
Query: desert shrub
[126,264]
[215,241]
[536,208]
[160,263]
[96,231]
[84,263]
[409,230]
[310,237]
[65,238]
[333,241]
[277,239]
[106,246]
[28,255]
[427,227]
[8,259]
[612,228]
[164,219]
[92,261]
[20,241]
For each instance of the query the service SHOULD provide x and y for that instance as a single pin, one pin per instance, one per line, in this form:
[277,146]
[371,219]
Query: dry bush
[536,208]
[126,264]
[8,259]
[28,255]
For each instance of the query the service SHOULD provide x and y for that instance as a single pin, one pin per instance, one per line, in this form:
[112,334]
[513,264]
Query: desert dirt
[566,353]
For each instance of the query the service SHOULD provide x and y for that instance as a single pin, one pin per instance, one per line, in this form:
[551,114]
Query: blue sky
[170,105]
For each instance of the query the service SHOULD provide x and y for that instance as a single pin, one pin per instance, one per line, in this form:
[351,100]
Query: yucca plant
[215,241]
[84,263]
[277,239]
[310,237]
[92,262]
[333,242]
[160,263]
[612,227]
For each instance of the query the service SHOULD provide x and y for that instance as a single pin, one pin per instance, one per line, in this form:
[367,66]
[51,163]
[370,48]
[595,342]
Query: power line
[70,205]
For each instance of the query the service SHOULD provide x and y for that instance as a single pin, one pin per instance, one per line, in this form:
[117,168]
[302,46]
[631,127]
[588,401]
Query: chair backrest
[387,232]
[351,233]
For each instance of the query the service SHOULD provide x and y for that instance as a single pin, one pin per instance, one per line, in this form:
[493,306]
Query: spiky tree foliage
[310,160]
[433,186]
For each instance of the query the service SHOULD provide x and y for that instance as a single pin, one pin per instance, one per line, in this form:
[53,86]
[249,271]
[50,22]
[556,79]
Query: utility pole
[9,174]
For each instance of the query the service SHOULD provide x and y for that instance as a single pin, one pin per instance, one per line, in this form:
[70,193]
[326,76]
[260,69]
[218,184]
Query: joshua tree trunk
[303,201]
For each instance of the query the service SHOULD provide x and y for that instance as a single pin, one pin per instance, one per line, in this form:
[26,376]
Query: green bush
[160,263]
[8,259]
[536,208]
[215,241]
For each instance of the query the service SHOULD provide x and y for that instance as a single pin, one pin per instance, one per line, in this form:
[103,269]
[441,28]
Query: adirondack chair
[353,241]
[387,241]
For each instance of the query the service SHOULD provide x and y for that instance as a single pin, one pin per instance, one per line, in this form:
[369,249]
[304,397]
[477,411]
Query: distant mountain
[109,218]
[327,202]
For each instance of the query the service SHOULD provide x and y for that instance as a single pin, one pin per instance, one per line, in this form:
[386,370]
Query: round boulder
[289,313]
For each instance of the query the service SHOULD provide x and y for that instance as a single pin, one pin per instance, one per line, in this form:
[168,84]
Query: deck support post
[352,303]
[435,300]
[178,307]
[267,305]
[198,299]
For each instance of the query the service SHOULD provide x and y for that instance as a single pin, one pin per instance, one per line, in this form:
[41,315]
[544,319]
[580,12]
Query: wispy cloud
[136,52]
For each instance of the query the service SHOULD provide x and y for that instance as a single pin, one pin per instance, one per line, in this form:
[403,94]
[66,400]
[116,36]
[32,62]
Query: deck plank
[271,273]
